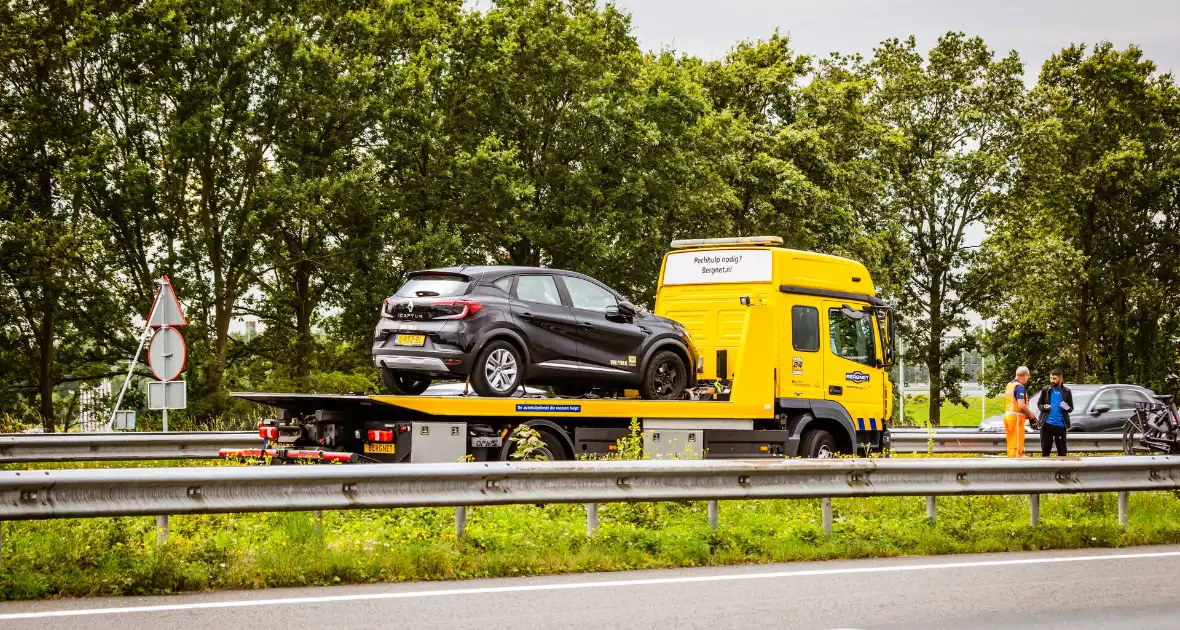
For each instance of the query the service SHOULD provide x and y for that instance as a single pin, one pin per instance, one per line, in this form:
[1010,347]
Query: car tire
[400,383]
[664,377]
[818,444]
[498,371]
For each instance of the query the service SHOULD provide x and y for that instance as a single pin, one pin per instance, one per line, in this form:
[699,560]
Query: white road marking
[524,588]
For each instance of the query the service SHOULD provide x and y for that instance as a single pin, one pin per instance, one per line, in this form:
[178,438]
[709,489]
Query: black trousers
[1051,435]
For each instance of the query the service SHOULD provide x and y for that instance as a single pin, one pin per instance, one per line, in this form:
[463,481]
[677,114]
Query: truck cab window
[805,328]
[852,339]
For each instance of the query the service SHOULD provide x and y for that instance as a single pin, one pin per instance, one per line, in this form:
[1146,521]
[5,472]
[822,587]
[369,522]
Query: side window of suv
[589,296]
[1130,398]
[538,289]
[504,284]
[1108,398]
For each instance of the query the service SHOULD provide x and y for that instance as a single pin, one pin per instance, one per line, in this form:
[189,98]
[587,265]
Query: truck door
[804,363]
[850,373]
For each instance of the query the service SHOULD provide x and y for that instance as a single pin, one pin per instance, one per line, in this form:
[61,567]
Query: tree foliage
[290,161]
[1087,247]
[951,119]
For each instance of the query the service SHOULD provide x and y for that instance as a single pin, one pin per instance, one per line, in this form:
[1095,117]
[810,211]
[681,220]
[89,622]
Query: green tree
[1094,208]
[53,255]
[952,119]
[801,154]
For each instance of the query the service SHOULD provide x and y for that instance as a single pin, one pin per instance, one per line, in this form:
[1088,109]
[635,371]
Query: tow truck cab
[793,352]
[834,338]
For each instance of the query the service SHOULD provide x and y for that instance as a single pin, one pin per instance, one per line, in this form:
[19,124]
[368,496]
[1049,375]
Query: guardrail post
[161,529]
[317,518]
[713,516]
[1124,496]
[460,522]
[591,519]
[1034,509]
[826,505]
[931,512]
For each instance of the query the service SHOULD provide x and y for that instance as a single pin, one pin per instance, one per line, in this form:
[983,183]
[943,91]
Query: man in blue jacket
[1055,401]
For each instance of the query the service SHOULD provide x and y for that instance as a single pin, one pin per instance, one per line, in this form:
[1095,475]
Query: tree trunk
[1087,294]
[304,306]
[48,324]
[1120,341]
[934,367]
[222,314]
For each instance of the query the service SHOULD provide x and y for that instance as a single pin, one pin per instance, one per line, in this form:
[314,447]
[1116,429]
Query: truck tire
[664,377]
[402,383]
[498,371]
[818,443]
[554,450]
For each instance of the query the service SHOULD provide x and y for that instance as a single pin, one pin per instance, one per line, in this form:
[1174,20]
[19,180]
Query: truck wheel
[664,377]
[553,451]
[818,444]
[498,371]
[403,383]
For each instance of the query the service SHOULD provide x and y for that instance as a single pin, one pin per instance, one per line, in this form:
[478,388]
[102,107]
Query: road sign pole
[166,357]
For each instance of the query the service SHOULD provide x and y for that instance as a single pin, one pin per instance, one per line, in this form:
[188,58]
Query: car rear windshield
[434,286]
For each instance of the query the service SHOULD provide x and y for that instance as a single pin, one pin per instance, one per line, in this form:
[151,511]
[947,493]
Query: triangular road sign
[166,308]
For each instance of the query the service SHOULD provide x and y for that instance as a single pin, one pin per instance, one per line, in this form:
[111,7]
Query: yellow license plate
[411,340]
[379,448]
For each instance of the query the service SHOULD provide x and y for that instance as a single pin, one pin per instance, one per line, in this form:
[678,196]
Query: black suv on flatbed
[502,326]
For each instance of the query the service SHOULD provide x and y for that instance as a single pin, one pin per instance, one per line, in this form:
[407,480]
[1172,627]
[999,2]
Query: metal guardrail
[80,447]
[87,493]
[945,442]
[83,447]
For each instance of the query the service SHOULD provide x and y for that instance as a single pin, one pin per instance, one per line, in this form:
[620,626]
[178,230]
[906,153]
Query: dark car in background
[1097,408]
[503,326]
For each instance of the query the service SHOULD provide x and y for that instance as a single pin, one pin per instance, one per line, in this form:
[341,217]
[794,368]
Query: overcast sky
[1034,28]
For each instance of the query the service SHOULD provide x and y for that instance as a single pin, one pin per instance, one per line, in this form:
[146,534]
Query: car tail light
[460,308]
[381,436]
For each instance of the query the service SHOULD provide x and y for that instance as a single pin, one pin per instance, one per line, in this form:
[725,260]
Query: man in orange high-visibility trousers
[1016,411]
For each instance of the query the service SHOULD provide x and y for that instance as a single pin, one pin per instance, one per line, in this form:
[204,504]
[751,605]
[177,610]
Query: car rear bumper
[434,361]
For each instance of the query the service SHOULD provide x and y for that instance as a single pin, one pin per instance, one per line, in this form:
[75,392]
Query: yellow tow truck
[794,349]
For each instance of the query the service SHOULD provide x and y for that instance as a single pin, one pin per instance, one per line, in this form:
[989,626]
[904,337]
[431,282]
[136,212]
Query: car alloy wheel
[666,379]
[500,370]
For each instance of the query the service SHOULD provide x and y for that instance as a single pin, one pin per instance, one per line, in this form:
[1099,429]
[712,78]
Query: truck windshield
[434,286]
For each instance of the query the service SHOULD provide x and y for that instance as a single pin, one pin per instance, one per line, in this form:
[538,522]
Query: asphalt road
[1128,588]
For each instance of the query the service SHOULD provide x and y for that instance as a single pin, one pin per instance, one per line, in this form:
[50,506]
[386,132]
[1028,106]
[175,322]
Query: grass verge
[119,556]
[917,411]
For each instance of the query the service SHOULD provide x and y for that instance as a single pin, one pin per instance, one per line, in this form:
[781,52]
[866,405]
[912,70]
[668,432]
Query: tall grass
[119,556]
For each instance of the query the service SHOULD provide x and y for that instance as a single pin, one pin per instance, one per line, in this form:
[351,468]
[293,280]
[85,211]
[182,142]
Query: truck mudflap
[285,455]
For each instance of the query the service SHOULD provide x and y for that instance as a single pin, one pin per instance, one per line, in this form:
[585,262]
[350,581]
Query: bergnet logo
[857,377]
